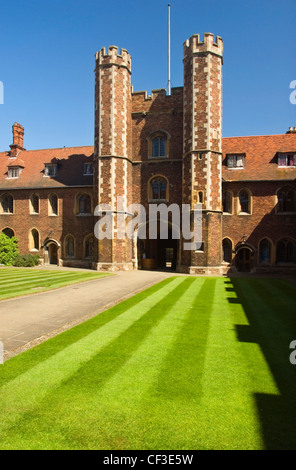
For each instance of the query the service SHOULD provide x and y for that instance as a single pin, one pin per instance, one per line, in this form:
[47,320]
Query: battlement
[195,46]
[157,101]
[176,91]
[113,57]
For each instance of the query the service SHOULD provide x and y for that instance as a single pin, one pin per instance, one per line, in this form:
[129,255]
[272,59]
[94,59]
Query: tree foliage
[8,249]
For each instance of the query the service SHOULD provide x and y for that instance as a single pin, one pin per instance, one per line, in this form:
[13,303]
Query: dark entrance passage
[160,253]
[51,253]
[167,254]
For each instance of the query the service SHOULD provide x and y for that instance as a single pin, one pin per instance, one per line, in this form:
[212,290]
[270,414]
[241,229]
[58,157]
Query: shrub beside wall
[26,260]
[8,249]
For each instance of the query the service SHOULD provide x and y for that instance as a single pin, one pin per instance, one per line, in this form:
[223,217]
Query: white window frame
[235,158]
[88,169]
[287,155]
[14,172]
[50,166]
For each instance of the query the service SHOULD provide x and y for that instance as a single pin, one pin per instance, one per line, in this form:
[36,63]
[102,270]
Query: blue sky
[47,62]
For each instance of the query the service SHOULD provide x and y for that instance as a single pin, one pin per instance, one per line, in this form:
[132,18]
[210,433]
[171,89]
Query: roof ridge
[252,136]
[59,148]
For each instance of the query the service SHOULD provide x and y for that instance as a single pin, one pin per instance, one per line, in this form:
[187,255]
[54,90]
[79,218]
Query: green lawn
[15,282]
[190,363]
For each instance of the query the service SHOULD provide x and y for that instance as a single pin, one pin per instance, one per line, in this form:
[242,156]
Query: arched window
[53,204]
[34,204]
[69,246]
[286,200]
[158,188]
[158,144]
[264,251]
[6,204]
[227,250]
[244,202]
[200,197]
[227,202]
[84,204]
[89,247]
[34,240]
[8,232]
[285,251]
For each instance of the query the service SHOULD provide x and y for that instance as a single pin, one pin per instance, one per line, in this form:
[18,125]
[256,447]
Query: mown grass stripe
[24,392]
[32,281]
[32,357]
[41,281]
[235,405]
[176,391]
[48,275]
[226,416]
[33,274]
[27,286]
[131,359]
[183,367]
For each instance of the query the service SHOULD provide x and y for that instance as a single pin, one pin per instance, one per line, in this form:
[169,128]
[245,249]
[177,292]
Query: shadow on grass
[270,308]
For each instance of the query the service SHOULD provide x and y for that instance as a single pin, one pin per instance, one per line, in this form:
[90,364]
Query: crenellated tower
[202,148]
[113,172]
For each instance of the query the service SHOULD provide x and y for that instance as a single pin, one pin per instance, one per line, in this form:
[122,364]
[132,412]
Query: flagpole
[169,49]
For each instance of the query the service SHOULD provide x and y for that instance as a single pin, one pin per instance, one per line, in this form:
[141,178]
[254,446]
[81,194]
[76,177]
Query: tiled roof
[261,161]
[70,163]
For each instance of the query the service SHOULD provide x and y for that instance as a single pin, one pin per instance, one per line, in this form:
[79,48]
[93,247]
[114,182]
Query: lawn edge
[67,326]
[101,276]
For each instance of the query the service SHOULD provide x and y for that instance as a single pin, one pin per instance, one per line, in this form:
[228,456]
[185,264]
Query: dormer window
[14,171]
[50,169]
[235,161]
[88,169]
[287,159]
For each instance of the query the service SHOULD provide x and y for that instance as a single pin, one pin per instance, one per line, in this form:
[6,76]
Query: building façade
[158,149]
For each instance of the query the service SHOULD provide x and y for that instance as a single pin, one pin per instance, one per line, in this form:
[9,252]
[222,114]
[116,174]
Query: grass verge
[190,363]
[16,282]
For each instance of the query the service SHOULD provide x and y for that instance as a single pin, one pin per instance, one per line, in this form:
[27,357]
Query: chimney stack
[18,139]
[292,130]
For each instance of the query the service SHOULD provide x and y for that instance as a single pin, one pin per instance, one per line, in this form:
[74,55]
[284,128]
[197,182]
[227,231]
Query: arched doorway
[51,254]
[244,259]
[162,252]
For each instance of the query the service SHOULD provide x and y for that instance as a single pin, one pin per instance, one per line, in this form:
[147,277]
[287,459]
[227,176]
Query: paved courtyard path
[29,320]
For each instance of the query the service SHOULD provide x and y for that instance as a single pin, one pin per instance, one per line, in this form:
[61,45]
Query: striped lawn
[190,363]
[15,282]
